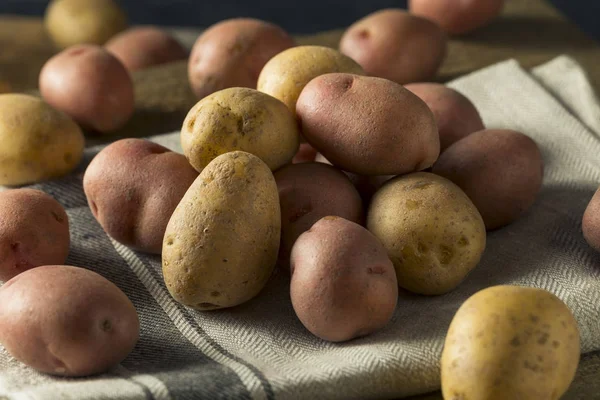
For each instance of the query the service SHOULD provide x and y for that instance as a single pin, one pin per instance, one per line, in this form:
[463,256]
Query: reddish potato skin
[343,284]
[90,85]
[499,169]
[591,222]
[34,231]
[67,321]
[455,115]
[133,186]
[306,153]
[232,53]
[396,45]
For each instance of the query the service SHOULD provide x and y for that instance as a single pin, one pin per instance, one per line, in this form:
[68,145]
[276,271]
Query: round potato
[369,126]
[221,244]
[343,283]
[455,115]
[396,45]
[38,142]
[500,170]
[240,119]
[233,52]
[66,321]
[133,186]
[34,231]
[71,22]
[286,74]
[591,222]
[510,342]
[431,230]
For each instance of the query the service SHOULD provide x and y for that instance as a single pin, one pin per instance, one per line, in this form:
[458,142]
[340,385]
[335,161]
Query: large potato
[433,233]
[38,142]
[66,321]
[240,119]
[222,241]
[369,126]
[591,222]
[510,342]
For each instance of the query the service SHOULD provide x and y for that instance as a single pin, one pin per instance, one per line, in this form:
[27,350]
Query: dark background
[296,16]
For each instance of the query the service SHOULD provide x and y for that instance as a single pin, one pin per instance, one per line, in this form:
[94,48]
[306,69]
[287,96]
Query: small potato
[286,74]
[455,115]
[343,283]
[72,22]
[34,231]
[396,45]
[66,321]
[240,119]
[591,222]
[233,52]
[133,186]
[37,142]
[89,84]
[306,153]
[369,126]
[500,170]
[510,342]
[431,230]
[139,48]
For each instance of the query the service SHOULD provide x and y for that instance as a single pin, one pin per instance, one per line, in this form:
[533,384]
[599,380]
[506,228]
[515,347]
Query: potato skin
[510,342]
[500,170]
[68,321]
[232,53]
[591,222]
[133,186]
[433,233]
[221,243]
[286,74]
[343,283]
[240,119]
[396,45]
[38,142]
[369,126]
[34,231]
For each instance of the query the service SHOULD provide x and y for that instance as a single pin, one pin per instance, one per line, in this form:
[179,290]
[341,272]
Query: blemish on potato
[446,254]
[543,339]
[106,325]
[413,204]
[515,342]
[215,293]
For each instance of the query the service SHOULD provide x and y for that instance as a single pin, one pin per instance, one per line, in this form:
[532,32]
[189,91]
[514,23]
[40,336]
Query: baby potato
[133,186]
[34,231]
[369,126]
[510,342]
[72,22]
[500,170]
[343,283]
[233,52]
[396,45]
[591,222]
[455,115]
[221,243]
[67,321]
[286,74]
[240,119]
[433,233]
[38,142]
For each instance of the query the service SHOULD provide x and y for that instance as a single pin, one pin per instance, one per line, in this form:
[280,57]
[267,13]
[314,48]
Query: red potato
[591,222]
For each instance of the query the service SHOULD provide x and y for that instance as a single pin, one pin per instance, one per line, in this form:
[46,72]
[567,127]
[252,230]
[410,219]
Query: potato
[455,115]
[510,342]
[591,222]
[34,231]
[343,283]
[89,84]
[221,243]
[38,142]
[133,186]
[240,119]
[233,52]
[71,22]
[309,192]
[457,17]
[369,126]
[431,230]
[143,47]
[500,170]
[67,321]
[306,153]
[286,74]
[396,45]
